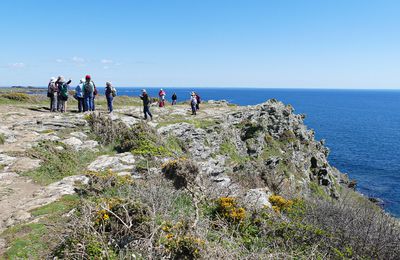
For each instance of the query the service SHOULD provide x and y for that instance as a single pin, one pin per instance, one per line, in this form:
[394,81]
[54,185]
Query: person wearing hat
[52,94]
[63,95]
[146,104]
[109,96]
[161,95]
[59,82]
[79,96]
[88,92]
[193,103]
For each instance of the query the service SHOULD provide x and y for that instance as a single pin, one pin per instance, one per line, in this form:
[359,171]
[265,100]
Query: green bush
[16,96]
[2,139]
[58,161]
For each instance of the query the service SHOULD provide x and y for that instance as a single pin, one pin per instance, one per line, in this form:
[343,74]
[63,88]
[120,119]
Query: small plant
[279,203]
[227,208]
[2,139]
[57,163]
[179,243]
[182,171]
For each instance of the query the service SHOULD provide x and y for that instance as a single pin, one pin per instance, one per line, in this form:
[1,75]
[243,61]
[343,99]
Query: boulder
[118,163]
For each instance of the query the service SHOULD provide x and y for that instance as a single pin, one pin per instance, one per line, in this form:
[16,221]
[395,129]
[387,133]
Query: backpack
[89,87]
[53,88]
[64,91]
[113,92]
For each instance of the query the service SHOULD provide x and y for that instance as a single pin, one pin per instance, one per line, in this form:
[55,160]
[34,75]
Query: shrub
[16,96]
[57,163]
[179,243]
[279,203]
[2,139]
[140,139]
[182,171]
[227,208]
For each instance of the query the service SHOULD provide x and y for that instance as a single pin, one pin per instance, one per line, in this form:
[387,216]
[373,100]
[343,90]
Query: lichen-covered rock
[119,163]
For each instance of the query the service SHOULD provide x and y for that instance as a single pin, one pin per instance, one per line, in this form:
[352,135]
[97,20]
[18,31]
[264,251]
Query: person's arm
[69,82]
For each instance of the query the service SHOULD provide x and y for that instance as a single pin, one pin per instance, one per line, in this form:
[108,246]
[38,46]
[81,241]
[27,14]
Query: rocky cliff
[232,182]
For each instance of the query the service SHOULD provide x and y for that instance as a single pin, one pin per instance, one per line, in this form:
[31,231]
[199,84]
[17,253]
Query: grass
[57,164]
[36,240]
[229,149]
[2,139]
[197,123]
[318,191]
[65,204]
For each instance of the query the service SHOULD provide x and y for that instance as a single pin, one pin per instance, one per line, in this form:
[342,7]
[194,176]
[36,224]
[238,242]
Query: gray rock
[119,163]
[258,198]
[79,135]
[73,142]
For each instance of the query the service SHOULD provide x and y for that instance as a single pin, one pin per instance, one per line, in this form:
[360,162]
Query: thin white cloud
[106,67]
[59,60]
[106,61]
[17,65]
[77,59]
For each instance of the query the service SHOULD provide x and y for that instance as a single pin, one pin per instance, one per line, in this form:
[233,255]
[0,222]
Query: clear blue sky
[257,43]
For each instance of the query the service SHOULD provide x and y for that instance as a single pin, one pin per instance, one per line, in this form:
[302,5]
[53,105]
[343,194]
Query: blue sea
[361,128]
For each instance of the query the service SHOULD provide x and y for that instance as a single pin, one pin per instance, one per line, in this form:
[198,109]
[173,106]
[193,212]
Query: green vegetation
[318,191]
[36,240]
[58,161]
[229,149]
[2,139]
[16,96]
[197,123]
[140,139]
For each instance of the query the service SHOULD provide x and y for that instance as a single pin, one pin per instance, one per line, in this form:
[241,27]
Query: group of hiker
[195,101]
[86,92]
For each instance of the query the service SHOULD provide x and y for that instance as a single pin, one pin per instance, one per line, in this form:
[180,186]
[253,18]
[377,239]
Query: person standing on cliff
[109,93]
[198,99]
[64,87]
[58,84]
[193,103]
[146,104]
[79,96]
[52,94]
[161,95]
[88,91]
[174,98]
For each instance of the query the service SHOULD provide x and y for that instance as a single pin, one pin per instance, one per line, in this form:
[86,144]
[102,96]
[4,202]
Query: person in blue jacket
[79,96]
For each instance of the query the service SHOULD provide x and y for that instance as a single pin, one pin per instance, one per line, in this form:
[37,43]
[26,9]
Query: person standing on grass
[88,92]
[64,87]
[110,94]
[146,104]
[174,98]
[79,96]
[193,103]
[52,94]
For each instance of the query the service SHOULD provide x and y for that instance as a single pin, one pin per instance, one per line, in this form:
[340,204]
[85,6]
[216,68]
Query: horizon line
[233,87]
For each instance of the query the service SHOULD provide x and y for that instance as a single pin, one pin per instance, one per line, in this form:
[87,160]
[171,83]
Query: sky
[202,43]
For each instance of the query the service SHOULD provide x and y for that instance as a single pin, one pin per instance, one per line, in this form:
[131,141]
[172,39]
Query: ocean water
[361,128]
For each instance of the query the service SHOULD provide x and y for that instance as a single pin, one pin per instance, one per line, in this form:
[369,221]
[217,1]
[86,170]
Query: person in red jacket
[161,95]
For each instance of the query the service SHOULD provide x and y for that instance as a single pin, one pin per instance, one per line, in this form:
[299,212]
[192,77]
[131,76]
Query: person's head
[144,91]
[61,79]
[161,89]
[108,84]
[52,79]
[88,78]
